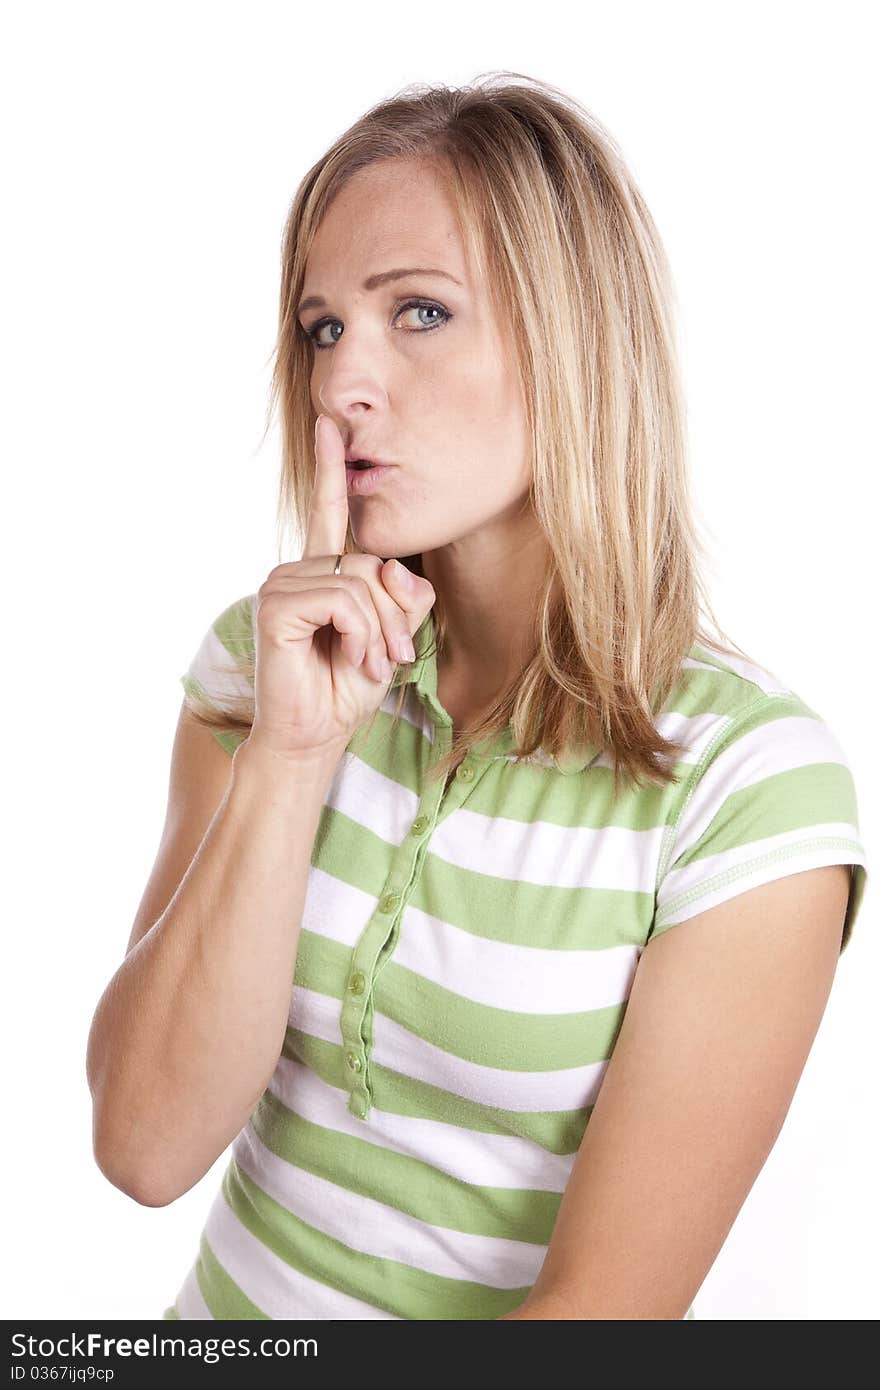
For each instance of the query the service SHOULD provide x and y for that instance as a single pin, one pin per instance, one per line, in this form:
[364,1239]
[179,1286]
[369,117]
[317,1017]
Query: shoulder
[725,698]
[769,789]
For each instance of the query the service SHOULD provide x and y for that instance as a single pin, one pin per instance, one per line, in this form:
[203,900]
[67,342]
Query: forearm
[188,1032]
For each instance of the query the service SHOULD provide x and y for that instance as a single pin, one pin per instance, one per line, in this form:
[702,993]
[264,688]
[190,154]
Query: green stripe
[235,628]
[224,1298]
[491,1037]
[483,904]
[529,914]
[557,1131]
[777,804]
[407,1184]
[527,791]
[399,1288]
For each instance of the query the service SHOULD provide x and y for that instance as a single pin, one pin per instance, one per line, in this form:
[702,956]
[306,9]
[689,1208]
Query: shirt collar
[422,673]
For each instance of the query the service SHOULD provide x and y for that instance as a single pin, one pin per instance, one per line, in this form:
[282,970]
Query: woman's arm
[720,1020]
[188,1031]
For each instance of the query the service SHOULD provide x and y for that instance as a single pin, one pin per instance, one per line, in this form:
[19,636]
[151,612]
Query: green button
[357,982]
[353,1061]
[358,1105]
[464,772]
[420,825]
[389,901]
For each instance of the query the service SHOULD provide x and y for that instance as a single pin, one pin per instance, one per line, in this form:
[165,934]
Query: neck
[489,595]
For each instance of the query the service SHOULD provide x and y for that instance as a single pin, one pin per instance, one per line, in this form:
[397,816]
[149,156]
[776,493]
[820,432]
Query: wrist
[253,760]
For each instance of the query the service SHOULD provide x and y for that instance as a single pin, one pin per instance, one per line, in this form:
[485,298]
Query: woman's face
[430,388]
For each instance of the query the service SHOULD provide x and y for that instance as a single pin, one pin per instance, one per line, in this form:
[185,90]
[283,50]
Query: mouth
[363,477]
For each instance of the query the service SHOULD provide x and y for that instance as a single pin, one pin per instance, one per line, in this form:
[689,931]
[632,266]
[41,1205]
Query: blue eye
[313,332]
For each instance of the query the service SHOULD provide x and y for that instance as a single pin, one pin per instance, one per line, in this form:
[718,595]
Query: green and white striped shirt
[465,958]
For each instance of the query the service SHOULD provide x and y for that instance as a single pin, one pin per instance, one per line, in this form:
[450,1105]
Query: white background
[151,152]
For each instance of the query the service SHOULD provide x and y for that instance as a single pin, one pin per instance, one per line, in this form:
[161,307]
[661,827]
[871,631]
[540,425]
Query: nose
[351,385]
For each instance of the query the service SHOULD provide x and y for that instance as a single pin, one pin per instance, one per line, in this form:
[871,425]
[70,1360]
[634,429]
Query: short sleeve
[213,676]
[772,795]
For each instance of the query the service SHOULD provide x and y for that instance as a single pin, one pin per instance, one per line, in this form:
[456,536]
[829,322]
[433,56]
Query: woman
[500,1085]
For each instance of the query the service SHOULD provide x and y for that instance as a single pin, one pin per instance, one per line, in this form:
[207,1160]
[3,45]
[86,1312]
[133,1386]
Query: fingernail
[404,648]
[402,574]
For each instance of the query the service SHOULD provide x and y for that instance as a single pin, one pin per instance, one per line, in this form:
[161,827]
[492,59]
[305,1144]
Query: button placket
[460,786]
[355,1037]
[356,1021]
[371,953]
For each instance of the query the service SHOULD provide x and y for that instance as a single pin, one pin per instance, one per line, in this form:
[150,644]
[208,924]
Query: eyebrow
[374,282]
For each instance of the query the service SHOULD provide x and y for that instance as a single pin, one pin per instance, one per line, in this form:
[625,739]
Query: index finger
[328,509]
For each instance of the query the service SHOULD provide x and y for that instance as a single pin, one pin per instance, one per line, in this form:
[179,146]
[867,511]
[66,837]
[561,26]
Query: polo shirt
[464,962]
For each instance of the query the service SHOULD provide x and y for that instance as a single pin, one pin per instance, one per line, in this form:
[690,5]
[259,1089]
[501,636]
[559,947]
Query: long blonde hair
[554,222]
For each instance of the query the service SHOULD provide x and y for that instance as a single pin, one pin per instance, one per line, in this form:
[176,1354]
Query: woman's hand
[323,640]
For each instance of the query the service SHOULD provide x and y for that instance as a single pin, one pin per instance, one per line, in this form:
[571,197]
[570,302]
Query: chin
[382,540]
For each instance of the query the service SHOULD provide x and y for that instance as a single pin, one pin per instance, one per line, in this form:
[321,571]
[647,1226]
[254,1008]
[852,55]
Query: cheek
[493,429]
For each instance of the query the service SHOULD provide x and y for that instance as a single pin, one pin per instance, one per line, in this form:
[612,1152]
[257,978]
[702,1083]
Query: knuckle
[353,563]
[267,603]
[279,572]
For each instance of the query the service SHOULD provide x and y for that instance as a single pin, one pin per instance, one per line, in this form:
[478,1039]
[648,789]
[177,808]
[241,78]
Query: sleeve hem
[813,854]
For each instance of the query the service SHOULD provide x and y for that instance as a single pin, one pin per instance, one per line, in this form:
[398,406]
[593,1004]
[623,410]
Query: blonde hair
[554,222]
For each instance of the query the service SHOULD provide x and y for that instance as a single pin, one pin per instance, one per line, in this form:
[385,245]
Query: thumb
[410,590]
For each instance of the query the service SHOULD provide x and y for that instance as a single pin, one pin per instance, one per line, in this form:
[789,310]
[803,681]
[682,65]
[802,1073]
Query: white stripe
[790,742]
[548,855]
[277,1288]
[396,1048]
[527,979]
[484,1160]
[567,1089]
[214,669]
[689,664]
[334,909]
[751,671]
[380,1230]
[522,979]
[369,798]
[694,731]
[189,1302]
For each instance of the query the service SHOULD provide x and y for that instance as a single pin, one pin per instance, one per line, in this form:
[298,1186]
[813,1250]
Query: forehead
[394,212]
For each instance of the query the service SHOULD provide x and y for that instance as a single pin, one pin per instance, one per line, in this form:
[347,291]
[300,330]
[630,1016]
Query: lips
[361,482]
[356,456]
